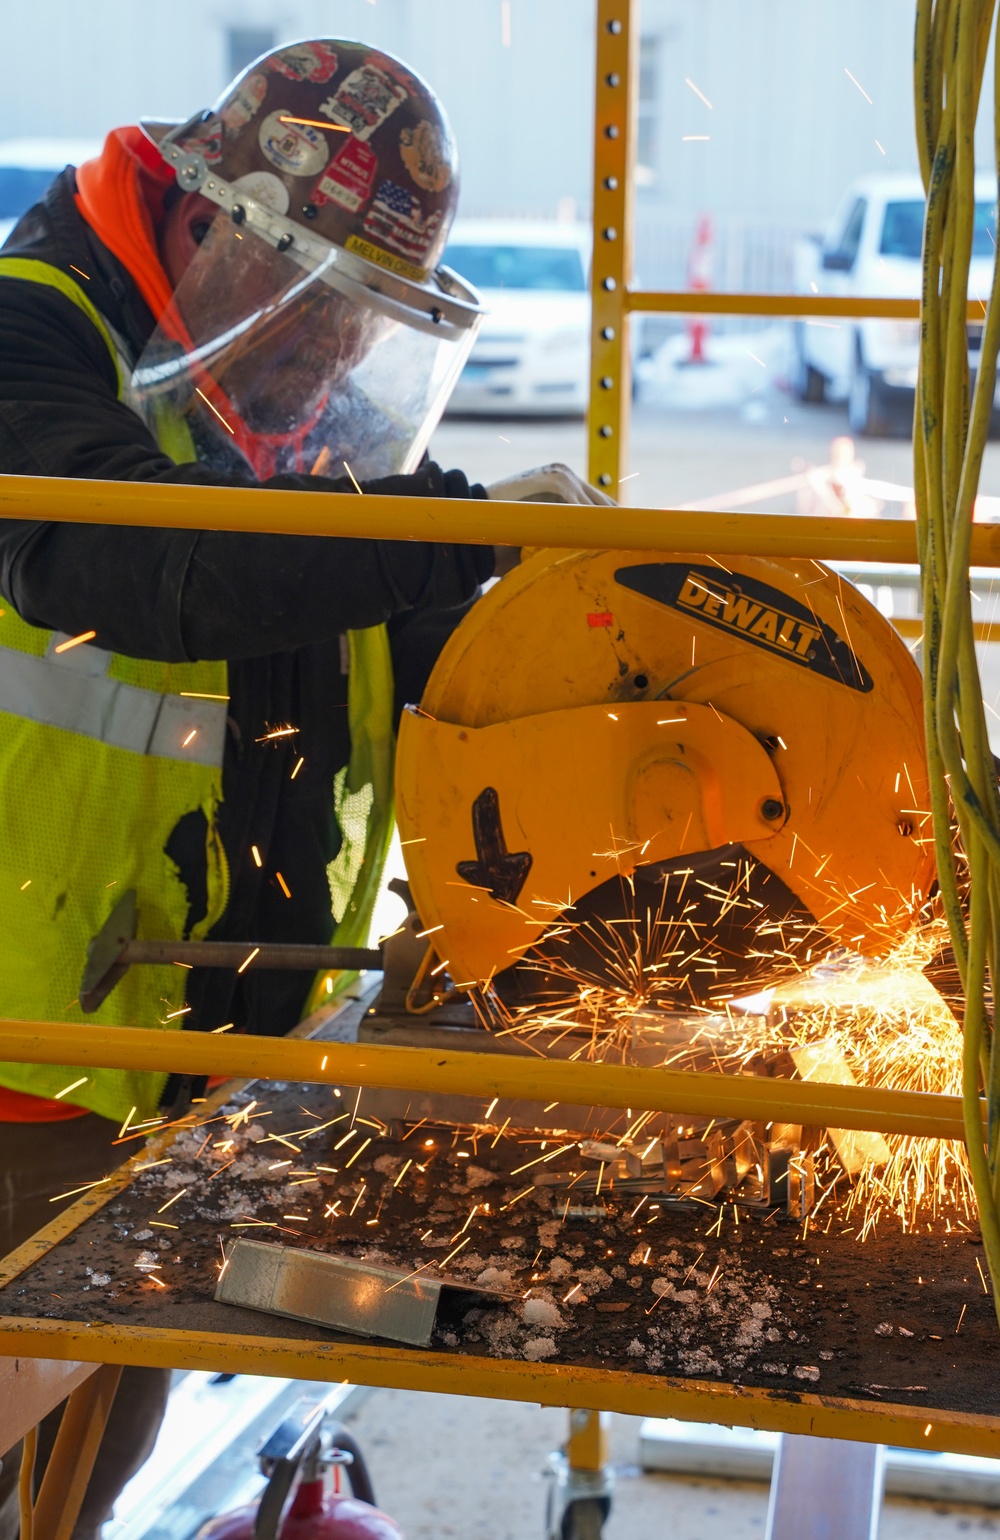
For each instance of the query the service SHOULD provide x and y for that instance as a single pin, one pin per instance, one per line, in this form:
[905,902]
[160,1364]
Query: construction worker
[249,298]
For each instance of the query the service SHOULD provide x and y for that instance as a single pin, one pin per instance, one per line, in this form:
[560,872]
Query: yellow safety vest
[100,756]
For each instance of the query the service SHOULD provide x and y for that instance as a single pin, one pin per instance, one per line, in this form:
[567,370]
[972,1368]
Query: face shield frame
[448,310]
[377,417]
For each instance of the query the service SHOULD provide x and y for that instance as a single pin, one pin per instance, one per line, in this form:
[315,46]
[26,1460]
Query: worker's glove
[548,484]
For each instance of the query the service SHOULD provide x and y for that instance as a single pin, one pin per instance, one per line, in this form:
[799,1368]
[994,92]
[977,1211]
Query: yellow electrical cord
[25,1484]
[950,433]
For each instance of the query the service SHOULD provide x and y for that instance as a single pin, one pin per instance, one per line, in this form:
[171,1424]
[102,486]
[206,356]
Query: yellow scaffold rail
[569,526]
[698,302]
[458,1073]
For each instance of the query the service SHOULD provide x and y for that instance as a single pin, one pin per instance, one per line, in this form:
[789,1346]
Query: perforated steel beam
[615,112]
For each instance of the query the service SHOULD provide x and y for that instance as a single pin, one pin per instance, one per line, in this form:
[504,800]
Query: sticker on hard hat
[756,613]
[424,152]
[206,141]
[266,188]
[349,178]
[396,220]
[364,100]
[293,147]
[305,61]
[245,102]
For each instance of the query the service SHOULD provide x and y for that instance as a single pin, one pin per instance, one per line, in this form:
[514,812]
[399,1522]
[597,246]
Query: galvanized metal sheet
[339,1292]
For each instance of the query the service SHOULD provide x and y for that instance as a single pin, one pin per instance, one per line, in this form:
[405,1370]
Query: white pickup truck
[872,249]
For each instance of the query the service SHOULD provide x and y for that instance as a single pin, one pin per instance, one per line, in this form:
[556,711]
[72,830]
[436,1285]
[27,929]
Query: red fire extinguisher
[303,1460]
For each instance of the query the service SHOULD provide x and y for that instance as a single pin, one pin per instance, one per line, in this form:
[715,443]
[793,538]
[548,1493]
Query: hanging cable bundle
[950,433]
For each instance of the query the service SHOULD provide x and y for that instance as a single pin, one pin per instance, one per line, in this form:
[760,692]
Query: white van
[872,249]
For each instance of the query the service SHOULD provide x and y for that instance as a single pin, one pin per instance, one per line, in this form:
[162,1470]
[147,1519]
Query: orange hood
[120,195]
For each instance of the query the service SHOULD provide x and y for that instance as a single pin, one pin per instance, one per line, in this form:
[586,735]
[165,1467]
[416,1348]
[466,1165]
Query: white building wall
[787,127]
[521,112]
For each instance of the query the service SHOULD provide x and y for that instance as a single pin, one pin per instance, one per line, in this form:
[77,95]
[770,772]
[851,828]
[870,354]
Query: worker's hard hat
[336,170]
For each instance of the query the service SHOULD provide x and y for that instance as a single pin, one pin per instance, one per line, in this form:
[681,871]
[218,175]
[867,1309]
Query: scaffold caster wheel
[584,1519]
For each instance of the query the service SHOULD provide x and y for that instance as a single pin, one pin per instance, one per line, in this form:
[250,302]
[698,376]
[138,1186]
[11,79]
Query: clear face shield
[281,352]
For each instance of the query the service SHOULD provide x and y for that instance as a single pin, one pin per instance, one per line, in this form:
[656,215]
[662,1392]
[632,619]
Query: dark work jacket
[274,606]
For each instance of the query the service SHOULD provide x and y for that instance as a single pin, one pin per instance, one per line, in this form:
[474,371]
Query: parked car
[27,166]
[533,352]
[872,249]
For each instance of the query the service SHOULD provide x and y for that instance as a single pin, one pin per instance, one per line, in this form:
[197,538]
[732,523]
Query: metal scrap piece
[342,1293]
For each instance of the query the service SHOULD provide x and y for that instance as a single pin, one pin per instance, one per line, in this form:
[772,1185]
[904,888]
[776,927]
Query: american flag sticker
[396,219]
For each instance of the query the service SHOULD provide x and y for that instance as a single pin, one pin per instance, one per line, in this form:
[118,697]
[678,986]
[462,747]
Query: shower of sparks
[891,1029]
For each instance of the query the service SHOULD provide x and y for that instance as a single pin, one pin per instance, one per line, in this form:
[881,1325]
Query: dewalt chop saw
[639,789]
[676,773]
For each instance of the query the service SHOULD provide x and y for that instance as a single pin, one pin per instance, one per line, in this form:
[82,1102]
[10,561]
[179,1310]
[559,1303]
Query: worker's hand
[547,484]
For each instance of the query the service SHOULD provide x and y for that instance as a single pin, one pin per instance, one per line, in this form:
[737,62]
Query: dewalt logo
[756,613]
[767,624]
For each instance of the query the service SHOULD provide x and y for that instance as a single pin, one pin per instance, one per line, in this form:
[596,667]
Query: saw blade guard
[621,723]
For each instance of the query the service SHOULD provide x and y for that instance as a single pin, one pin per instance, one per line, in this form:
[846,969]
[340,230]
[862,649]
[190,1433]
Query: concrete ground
[453,1466]
[684,456]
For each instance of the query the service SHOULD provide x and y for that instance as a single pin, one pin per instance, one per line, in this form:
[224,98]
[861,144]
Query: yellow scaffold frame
[440,519]
[614,301]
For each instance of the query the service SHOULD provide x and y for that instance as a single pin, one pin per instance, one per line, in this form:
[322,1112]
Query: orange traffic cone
[700,265]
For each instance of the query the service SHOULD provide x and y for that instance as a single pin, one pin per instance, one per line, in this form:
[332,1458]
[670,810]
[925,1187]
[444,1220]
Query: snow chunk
[806,1372]
[539,1347]
[698,1361]
[541,1312]
[495,1278]
[594,1279]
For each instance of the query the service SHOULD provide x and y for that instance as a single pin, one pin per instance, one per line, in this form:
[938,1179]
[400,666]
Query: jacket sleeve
[178,595]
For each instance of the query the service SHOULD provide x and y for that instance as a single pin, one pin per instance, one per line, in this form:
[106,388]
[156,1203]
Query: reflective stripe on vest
[72,690]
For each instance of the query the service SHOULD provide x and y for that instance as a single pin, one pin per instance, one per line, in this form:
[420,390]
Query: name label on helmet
[763,616]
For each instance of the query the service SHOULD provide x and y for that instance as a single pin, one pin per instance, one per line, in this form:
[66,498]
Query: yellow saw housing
[599,711]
